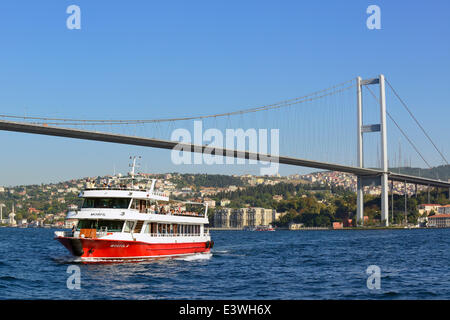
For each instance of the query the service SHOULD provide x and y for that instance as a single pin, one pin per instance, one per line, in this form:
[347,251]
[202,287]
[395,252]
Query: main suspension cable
[417,122]
[285,103]
[401,131]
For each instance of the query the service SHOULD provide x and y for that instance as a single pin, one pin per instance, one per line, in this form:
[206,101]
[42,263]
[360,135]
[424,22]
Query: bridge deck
[165,144]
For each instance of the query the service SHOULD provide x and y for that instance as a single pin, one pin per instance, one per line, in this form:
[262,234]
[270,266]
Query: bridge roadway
[165,144]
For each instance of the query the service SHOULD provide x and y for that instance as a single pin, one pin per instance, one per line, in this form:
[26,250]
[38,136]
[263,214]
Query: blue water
[243,265]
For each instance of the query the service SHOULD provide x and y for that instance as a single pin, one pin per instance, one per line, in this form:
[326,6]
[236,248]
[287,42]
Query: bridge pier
[382,128]
[360,159]
[384,158]
[392,201]
[406,204]
[359,201]
[384,200]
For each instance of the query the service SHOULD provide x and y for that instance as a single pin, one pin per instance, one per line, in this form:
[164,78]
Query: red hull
[91,250]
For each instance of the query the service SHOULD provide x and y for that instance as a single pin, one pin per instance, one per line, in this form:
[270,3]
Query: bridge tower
[382,179]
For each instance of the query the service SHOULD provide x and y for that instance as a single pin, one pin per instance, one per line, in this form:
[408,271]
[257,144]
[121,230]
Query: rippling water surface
[243,265]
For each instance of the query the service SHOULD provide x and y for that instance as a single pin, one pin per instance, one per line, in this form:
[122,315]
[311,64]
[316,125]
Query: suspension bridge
[316,134]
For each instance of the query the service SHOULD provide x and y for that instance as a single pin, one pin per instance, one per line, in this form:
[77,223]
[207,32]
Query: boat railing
[157,193]
[179,214]
[115,188]
[63,233]
[101,234]
[176,234]
[188,214]
[79,234]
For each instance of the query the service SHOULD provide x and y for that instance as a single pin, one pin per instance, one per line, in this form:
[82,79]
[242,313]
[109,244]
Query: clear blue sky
[157,59]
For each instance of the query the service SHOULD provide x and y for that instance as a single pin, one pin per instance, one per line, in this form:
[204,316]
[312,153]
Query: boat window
[87,224]
[140,205]
[101,225]
[112,203]
[128,226]
[110,225]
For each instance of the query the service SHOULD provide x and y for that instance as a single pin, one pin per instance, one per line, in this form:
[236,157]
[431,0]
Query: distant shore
[330,229]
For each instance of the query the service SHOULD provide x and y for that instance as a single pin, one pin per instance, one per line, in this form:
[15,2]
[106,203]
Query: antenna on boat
[153,185]
[134,165]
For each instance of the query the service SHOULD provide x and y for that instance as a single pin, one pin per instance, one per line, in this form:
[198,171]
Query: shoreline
[331,229]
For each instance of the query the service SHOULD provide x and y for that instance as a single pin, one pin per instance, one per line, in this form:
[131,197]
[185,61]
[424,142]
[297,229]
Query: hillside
[440,172]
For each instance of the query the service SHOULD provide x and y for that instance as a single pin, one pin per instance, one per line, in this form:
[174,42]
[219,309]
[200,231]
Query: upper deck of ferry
[136,199]
[133,195]
[114,192]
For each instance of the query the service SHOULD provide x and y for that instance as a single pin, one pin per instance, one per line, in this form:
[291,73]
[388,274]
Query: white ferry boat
[130,223]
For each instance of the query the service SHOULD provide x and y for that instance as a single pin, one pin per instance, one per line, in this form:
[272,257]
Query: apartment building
[244,217]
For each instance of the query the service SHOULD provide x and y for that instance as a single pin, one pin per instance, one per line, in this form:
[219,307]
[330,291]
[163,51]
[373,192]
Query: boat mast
[133,166]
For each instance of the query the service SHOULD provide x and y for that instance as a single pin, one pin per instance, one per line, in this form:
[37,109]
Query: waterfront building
[3,221]
[260,217]
[239,218]
[428,207]
[444,209]
[347,223]
[278,215]
[244,217]
[439,221]
[337,225]
[295,226]
[222,218]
